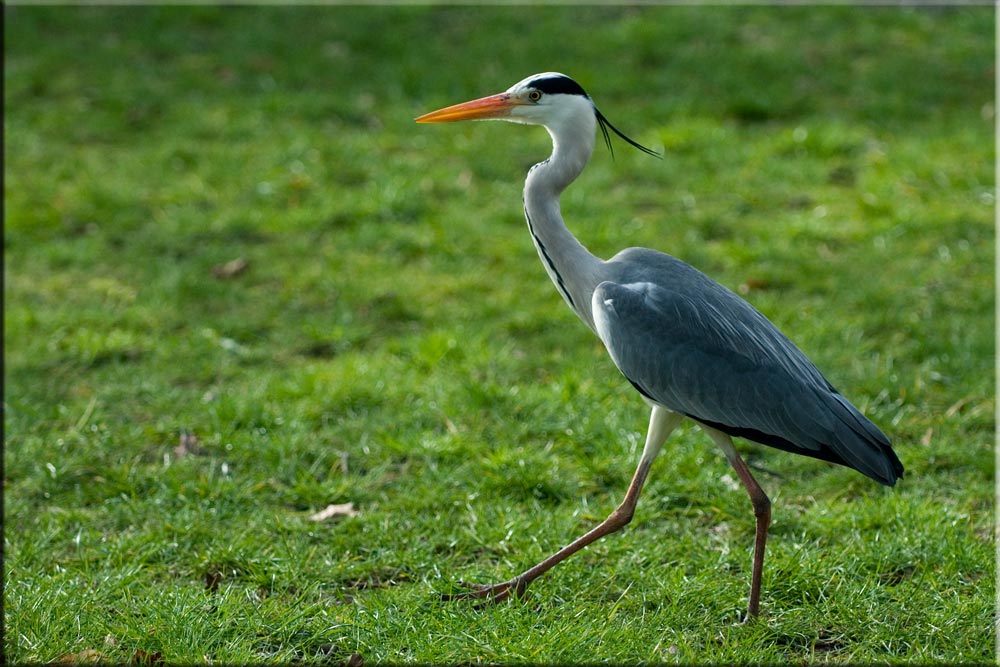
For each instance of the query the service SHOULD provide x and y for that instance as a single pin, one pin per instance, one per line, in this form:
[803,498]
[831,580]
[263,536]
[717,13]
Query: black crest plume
[606,125]
[564,85]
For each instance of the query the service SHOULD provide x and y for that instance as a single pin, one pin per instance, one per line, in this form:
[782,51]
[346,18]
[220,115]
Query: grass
[241,285]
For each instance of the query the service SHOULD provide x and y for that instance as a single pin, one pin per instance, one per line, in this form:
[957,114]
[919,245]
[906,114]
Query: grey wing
[708,354]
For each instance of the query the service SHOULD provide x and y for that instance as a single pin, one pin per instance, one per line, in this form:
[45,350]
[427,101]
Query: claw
[488,593]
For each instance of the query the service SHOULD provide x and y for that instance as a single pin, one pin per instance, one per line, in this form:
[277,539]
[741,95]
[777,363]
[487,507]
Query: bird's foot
[489,593]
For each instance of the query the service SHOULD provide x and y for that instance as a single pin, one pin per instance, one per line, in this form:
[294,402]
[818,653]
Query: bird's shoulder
[665,280]
[656,304]
[651,263]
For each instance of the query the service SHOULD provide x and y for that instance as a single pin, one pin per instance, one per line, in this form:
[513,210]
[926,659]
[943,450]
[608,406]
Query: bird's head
[551,99]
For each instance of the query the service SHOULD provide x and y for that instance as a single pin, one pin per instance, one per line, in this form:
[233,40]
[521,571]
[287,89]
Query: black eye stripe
[558,84]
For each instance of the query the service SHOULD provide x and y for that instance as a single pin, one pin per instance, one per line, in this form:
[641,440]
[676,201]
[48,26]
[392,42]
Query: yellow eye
[534,95]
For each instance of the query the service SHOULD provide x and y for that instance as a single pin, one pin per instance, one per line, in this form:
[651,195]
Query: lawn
[241,285]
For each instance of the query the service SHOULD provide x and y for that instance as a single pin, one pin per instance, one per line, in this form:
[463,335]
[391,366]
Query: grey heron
[691,347]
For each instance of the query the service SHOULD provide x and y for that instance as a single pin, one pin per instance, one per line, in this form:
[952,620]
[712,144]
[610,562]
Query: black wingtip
[605,124]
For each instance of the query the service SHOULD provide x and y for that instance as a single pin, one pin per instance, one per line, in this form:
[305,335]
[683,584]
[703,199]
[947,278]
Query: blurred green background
[241,284]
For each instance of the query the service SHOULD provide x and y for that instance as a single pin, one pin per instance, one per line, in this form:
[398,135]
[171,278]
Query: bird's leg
[761,509]
[661,423]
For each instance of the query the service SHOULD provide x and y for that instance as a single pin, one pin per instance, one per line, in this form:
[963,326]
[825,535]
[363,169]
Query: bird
[692,348]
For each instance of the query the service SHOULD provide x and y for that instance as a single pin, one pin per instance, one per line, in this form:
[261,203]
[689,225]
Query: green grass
[394,343]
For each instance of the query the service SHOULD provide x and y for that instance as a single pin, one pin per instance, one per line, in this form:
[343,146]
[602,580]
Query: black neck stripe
[560,285]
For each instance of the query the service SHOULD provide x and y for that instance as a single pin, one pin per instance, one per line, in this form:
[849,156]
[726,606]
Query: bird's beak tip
[494,106]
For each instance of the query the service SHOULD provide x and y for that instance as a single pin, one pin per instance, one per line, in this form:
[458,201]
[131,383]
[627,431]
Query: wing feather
[702,351]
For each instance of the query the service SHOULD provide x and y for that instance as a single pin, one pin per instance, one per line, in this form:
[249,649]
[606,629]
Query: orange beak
[494,106]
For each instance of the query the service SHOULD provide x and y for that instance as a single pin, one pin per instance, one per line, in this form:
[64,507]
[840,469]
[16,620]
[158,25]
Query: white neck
[571,266]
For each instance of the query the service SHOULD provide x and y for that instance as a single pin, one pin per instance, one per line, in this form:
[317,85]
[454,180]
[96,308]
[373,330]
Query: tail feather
[863,445]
